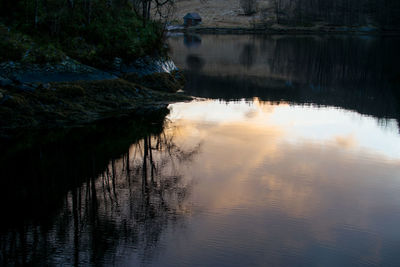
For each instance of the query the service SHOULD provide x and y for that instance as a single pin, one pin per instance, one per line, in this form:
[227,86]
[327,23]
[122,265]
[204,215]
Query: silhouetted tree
[249,7]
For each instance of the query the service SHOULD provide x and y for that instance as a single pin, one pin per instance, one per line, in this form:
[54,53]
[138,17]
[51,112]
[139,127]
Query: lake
[289,156]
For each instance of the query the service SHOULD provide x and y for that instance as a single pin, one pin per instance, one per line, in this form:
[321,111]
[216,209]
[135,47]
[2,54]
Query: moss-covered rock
[163,82]
[15,102]
[74,103]
[70,90]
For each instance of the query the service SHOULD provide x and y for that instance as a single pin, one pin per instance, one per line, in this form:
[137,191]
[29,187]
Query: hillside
[218,13]
[356,15]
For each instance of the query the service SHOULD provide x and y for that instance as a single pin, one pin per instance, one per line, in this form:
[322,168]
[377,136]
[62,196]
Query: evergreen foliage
[92,31]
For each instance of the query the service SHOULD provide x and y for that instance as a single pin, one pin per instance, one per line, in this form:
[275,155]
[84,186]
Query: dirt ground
[219,13]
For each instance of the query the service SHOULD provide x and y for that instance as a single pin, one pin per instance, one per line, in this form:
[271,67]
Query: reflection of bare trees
[350,72]
[248,55]
[194,62]
[125,208]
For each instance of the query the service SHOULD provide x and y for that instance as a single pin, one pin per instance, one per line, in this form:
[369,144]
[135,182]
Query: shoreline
[72,94]
[52,96]
[76,104]
[54,120]
[283,30]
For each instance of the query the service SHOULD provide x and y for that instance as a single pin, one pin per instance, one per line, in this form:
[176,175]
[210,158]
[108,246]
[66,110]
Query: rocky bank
[67,94]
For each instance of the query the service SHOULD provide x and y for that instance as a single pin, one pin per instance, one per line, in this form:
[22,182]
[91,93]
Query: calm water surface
[291,157]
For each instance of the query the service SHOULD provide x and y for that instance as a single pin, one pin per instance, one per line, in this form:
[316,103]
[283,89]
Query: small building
[191,19]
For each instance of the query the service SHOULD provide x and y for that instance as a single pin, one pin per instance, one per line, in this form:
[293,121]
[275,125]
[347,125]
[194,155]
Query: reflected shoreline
[234,88]
[274,167]
[81,192]
[351,72]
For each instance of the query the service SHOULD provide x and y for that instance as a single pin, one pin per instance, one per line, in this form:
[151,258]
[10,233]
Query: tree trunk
[144,10]
[36,13]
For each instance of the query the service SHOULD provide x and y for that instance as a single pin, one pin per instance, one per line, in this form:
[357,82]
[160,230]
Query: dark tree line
[56,15]
[383,13]
[91,31]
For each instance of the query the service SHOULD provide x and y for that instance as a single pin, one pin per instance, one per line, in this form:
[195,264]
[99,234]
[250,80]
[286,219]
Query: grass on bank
[75,103]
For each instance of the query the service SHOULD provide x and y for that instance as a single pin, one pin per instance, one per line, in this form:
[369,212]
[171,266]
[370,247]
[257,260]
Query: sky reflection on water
[294,123]
[292,158]
[281,184]
[216,183]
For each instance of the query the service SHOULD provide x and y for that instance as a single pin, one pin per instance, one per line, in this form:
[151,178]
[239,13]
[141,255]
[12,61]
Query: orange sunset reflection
[311,169]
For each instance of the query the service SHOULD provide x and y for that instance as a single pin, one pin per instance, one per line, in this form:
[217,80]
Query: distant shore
[285,30]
